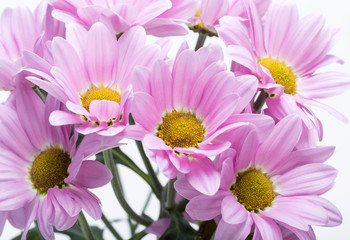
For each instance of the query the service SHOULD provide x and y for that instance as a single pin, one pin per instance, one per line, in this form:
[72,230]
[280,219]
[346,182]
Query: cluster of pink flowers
[240,142]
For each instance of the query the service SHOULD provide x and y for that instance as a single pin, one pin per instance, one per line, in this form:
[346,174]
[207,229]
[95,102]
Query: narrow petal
[280,143]
[185,189]
[203,176]
[232,211]
[181,163]
[324,85]
[226,231]
[59,118]
[67,203]
[145,112]
[204,207]
[267,228]
[309,179]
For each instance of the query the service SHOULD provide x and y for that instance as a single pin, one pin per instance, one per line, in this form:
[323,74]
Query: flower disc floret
[49,169]
[281,73]
[179,129]
[253,189]
[100,93]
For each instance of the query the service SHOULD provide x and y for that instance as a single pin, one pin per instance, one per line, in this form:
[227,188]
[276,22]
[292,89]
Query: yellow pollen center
[49,169]
[101,93]
[180,129]
[198,13]
[253,189]
[281,73]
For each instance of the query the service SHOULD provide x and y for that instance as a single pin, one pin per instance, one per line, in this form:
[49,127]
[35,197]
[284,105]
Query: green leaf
[179,229]
[33,234]
[75,233]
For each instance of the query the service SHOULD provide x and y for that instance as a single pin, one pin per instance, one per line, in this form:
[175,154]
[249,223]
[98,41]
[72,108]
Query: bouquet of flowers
[230,149]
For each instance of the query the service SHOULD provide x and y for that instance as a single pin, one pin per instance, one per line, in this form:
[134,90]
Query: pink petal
[88,201]
[232,211]
[161,85]
[101,54]
[70,206]
[15,195]
[185,73]
[204,207]
[185,189]
[30,107]
[226,231]
[309,179]
[324,85]
[145,112]
[30,213]
[153,142]
[68,61]
[45,218]
[245,87]
[181,163]
[267,228]
[104,110]
[306,156]
[59,118]
[277,147]
[3,217]
[92,174]
[297,212]
[212,10]
[203,176]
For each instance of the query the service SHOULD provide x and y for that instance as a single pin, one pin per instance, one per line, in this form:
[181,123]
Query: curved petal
[279,144]
[316,178]
[226,231]
[204,207]
[92,174]
[203,176]
[267,228]
[232,211]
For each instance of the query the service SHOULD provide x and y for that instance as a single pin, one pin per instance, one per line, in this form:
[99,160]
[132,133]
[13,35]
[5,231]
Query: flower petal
[232,211]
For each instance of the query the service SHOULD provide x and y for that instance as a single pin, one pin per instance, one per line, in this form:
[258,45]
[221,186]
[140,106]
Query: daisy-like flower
[160,17]
[21,30]
[43,175]
[91,74]
[269,189]
[285,52]
[182,112]
[210,11]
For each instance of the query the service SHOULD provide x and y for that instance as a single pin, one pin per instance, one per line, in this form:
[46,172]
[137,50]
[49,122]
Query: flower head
[285,52]
[210,11]
[182,113]
[268,189]
[22,30]
[158,17]
[90,74]
[44,177]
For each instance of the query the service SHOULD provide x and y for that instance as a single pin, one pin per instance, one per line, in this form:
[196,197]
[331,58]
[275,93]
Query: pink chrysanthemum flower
[91,76]
[43,177]
[268,189]
[160,17]
[211,11]
[182,112]
[285,52]
[21,30]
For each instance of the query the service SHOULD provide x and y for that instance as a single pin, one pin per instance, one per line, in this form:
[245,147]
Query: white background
[335,133]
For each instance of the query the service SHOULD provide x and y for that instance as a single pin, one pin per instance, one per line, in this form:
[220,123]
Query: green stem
[39,92]
[108,157]
[126,161]
[85,228]
[155,182]
[154,179]
[38,231]
[170,195]
[200,40]
[139,236]
[260,101]
[111,228]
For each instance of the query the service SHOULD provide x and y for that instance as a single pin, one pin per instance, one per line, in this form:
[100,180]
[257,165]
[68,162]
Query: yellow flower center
[100,93]
[281,73]
[49,169]
[253,189]
[180,129]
